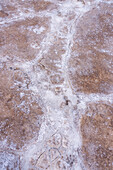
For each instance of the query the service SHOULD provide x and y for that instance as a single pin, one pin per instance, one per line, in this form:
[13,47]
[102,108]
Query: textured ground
[56,88]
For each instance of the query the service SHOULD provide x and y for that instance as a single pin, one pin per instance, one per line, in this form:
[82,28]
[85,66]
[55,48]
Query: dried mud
[56,85]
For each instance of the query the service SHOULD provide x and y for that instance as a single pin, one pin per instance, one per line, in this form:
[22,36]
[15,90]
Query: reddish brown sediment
[97,135]
[19,110]
[91,72]
[91,61]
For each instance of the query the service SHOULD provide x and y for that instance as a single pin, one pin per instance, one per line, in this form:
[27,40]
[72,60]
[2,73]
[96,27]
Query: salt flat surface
[38,52]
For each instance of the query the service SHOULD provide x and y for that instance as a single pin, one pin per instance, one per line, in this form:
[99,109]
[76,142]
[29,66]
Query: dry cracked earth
[56,85]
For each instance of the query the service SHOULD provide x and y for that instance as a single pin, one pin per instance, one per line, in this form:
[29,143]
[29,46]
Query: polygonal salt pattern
[56,88]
